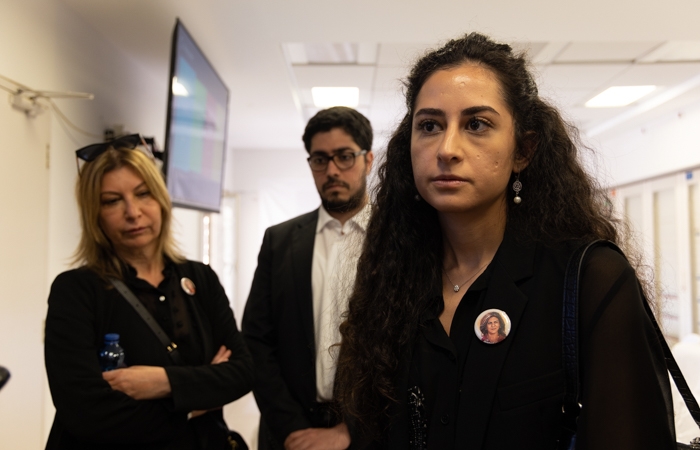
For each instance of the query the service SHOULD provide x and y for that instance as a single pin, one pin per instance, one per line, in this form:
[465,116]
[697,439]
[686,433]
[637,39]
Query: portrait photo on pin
[492,326]
[187,286]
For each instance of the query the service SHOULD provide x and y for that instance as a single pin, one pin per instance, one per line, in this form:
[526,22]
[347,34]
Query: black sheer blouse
[438,364]
[625,386]
[168,306]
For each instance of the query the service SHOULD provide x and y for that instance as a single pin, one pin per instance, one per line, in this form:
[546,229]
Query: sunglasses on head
[90,152]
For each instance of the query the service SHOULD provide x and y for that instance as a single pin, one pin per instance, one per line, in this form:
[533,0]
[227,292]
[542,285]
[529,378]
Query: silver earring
[417,198]
[517,187]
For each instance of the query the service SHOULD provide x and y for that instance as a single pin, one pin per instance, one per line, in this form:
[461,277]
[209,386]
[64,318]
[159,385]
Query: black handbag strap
[569,329]
[570,343]
[169,345]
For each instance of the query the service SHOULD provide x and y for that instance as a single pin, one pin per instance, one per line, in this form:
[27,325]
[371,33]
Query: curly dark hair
[400,269]
[350,120]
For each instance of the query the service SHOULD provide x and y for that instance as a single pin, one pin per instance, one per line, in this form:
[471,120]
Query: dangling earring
[417,197]
[517,187]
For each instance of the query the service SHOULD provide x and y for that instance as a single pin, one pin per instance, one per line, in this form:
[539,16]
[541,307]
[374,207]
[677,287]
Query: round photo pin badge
[492,326]
[187,286]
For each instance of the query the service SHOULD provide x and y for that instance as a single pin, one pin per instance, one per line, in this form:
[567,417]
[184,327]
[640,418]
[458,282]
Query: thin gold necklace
[456,286]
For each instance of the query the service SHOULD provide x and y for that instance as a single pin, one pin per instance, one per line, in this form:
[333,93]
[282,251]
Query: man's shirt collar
[361,219]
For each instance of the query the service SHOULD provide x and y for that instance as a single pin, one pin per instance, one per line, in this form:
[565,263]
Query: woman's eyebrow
[142,184]
[477,109]
[430,112]
[465,112]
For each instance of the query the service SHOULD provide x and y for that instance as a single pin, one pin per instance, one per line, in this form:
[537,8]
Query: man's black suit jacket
[279,330]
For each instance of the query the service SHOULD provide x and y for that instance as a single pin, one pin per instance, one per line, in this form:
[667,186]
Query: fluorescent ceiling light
[619,96]
[325,97]
[179,89]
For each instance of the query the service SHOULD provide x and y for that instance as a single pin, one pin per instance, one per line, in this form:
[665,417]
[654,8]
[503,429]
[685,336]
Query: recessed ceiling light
[325,97]
[619,96]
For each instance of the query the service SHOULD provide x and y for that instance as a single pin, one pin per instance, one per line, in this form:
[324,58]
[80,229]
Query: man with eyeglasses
[304,276]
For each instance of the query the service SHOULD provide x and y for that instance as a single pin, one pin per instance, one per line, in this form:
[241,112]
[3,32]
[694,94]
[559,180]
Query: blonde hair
[95,250]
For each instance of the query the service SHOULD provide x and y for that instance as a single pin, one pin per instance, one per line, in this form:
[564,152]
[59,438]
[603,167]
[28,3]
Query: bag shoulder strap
[169,345]
[570,342]
[571,405]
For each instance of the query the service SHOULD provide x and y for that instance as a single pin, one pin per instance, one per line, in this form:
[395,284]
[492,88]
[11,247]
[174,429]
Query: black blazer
[512,391]
[89,413]
[278,327]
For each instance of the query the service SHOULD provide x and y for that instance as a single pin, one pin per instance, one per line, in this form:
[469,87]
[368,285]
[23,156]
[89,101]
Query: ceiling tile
[567,98]
[331,52]
[530,48]
[674,51]
[605,51]
[548,52]
[295,52]
[403,54]
[367,52]
[390,78]
[308,111]
[586,116]
[334,76]
[578,76]
[387,110]
[664,74]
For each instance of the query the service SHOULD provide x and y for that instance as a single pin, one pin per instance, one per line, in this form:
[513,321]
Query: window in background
[666,258]
[633,211]
[694,203]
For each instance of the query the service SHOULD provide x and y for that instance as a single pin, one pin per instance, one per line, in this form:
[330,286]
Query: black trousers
[321,415]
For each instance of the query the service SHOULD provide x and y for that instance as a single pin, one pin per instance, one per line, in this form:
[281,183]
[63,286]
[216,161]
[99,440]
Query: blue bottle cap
[111,337]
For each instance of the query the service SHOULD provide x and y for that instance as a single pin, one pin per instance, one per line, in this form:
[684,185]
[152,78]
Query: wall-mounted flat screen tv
[195,139]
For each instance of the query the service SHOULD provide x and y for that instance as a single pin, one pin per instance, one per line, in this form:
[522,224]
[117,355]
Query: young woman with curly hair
[481,201]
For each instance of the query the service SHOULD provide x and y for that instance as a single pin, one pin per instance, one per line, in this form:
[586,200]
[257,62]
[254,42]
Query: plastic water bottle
[111,354]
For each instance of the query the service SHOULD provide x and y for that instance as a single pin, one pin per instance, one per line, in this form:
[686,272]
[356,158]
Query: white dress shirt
[336,251]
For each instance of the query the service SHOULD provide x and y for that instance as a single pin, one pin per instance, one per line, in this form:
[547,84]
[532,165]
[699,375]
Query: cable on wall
[65,121]
[33,102]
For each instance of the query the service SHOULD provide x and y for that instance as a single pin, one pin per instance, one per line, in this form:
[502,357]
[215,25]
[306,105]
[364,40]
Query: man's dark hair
[348,119]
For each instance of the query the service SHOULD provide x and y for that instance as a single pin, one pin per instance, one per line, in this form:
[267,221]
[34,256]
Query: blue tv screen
[195,141]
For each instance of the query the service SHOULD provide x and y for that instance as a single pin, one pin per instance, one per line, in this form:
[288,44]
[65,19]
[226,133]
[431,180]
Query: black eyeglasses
[90,152]
[343,160]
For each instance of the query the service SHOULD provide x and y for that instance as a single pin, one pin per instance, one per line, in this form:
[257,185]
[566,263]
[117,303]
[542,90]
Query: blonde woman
[152,403]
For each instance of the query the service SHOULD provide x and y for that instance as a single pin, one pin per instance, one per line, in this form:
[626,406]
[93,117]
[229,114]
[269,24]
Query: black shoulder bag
[570,346]
[234,441]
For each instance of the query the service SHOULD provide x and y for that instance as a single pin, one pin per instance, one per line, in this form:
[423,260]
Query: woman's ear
[528,147]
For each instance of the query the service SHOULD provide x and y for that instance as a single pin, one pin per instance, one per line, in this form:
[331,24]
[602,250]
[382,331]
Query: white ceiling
[257,46]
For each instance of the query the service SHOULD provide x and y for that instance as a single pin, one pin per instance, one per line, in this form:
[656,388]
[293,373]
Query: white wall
[23,268]
[664,144]
[272,186]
